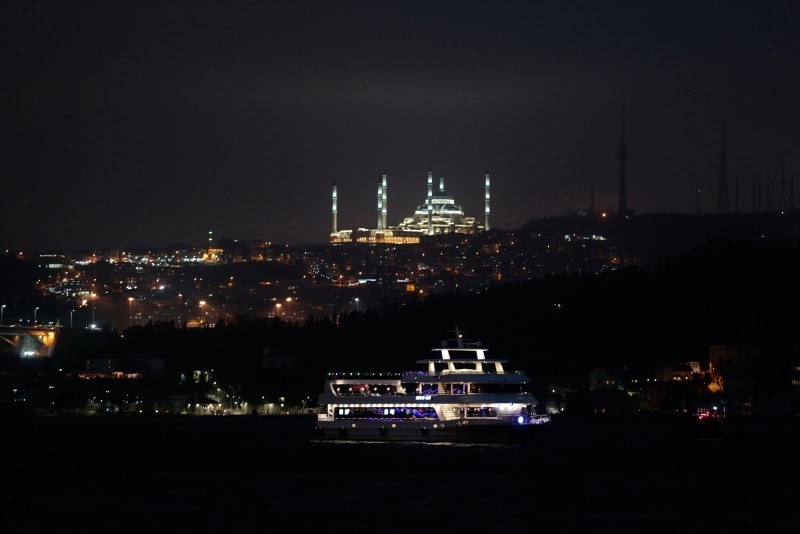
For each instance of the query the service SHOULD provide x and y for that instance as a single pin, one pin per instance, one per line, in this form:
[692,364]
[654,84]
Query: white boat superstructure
[462,395]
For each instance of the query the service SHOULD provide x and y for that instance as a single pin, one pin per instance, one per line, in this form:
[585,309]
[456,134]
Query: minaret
[441,185]
[430,217]
[380,205]
[430,181]
[385,200]
[430,199]
[723,201]
[622,155]
[210,237]
[334,210]
[782,194]
[487,210]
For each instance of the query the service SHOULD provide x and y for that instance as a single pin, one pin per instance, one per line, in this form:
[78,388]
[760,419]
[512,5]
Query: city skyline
[130,125]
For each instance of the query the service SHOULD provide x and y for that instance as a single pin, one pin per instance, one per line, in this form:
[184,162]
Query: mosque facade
[438,214]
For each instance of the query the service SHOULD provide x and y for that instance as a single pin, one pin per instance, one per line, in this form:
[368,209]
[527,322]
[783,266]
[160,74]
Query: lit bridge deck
[29,342]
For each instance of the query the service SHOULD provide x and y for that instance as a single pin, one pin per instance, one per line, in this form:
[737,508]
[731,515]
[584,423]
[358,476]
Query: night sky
[134,123]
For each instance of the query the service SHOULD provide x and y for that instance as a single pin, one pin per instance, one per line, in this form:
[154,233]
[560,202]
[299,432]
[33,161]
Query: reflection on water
[267,474]
[415,444]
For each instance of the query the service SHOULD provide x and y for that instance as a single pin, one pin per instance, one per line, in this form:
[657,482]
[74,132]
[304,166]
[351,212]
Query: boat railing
[448,372]
[347,375]
[348,394]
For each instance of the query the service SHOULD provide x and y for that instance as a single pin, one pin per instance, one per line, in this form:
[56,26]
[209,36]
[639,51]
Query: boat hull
[484,433]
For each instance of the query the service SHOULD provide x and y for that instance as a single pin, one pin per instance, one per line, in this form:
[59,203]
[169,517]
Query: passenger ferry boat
[461,396]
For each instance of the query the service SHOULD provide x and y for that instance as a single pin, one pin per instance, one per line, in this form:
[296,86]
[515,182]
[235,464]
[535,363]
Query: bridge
[28,342]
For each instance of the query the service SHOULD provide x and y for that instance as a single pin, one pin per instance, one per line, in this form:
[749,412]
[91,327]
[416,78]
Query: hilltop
[659,235]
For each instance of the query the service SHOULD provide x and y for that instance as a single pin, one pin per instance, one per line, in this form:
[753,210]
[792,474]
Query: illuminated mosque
[211,254]
[438,214]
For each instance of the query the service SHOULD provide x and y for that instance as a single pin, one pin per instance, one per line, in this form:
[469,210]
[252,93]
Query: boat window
[411,388]
[364,390]
[375,413]
[458,389]
[497,388]
[482,411]
[430,389]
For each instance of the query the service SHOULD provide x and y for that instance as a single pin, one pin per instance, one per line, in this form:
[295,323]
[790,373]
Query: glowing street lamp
[130,311]
[278,307]
[2,312]
[180,306]
[356,303]
[70,318]
[202,303]
[35,311]
[93,295]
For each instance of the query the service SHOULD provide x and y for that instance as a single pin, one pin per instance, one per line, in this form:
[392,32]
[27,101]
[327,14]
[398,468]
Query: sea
[269,474]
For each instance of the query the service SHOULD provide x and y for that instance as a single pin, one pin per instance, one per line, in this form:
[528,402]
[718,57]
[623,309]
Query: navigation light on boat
[521,419]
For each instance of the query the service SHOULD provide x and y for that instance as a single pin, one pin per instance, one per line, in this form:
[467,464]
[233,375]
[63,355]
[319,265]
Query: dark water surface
[246,474]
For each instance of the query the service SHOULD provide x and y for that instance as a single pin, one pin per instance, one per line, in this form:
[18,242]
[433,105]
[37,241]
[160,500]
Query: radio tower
[723,201]
[768,203]
[791,191]
[758,196]
[782,194]
[622,155]
[697,202]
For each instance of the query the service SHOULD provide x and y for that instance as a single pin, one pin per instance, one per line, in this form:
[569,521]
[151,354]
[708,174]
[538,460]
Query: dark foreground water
[248,474]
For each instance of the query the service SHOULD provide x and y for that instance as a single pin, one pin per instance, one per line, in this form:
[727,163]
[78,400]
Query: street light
[130,311]
[180,305]
[202,303]
[278,309]
[356,303]
[35,311]
[70,318]
[2,312]
[93,295]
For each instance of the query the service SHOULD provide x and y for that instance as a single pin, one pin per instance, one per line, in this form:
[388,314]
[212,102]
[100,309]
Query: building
[438,214]
[754,382]
[212,254]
